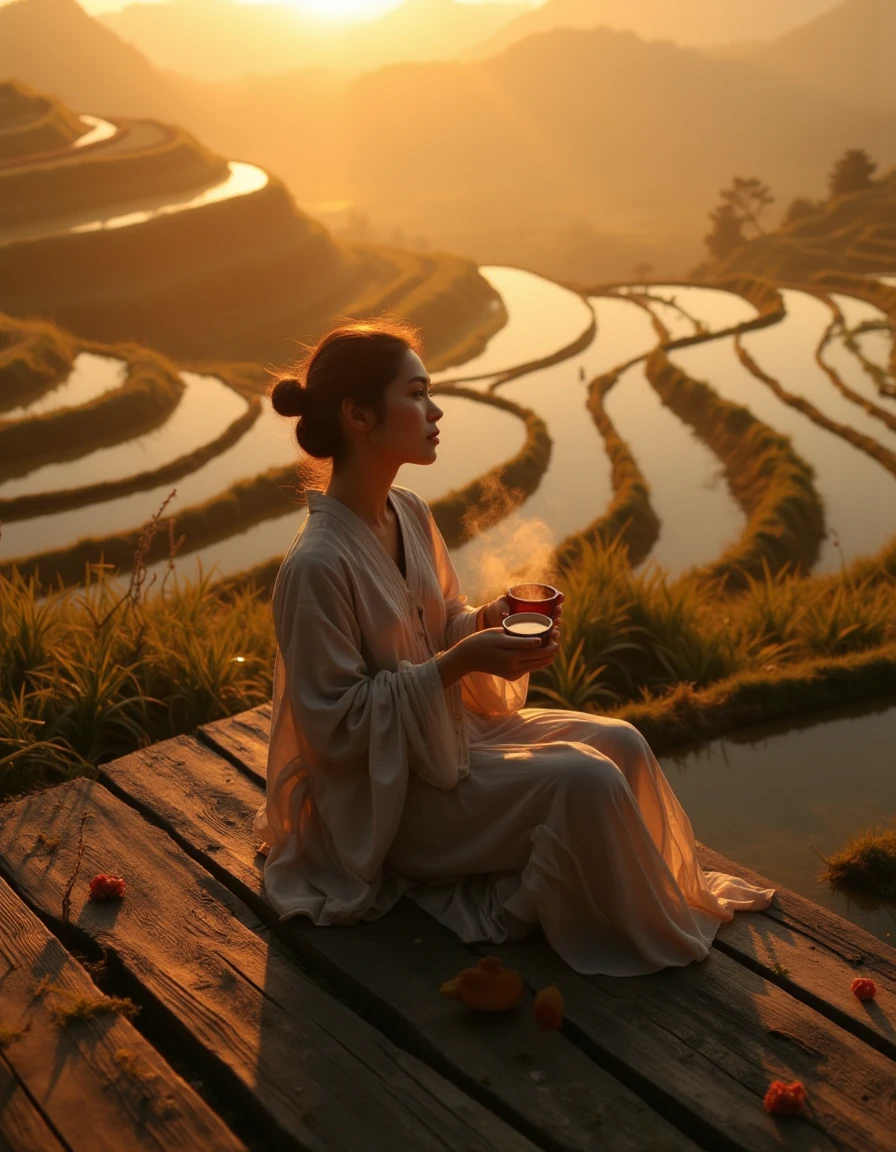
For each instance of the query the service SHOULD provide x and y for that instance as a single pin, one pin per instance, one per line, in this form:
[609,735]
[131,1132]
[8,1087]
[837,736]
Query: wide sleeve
[482,692]
[365,727]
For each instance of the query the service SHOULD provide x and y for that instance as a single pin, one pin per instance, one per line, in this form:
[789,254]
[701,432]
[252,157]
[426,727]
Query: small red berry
[548,1007]
[864,988]
[784,1099]
[106,887]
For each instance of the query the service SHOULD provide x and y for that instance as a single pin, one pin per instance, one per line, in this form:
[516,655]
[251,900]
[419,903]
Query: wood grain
[822,952]
[393,967]
[70,1073]
[225,991]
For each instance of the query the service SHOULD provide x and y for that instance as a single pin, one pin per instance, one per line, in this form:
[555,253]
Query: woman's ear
[356,416]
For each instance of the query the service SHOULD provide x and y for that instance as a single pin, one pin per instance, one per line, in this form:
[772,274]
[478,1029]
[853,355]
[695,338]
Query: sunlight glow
[343,11]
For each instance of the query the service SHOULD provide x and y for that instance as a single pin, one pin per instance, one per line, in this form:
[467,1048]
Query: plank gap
[373,1008]
[849,1023]
[163,1031]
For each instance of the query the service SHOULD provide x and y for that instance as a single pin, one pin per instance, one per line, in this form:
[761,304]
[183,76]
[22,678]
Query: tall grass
[628,635]
[90,675]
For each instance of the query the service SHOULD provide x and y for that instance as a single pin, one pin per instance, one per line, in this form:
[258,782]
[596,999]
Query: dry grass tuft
[866,864]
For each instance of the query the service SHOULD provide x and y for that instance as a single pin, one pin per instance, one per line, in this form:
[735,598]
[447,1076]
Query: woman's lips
[434,436]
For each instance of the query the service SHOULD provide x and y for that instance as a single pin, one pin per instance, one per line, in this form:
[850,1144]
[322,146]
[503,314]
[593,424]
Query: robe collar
[319,501]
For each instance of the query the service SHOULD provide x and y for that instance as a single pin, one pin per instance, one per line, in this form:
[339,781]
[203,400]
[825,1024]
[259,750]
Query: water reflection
[807,320]
[576,488]
[715,308]
[97,130]
[776,796]
[543,318]
[475,438]
[699,518]
[858,493]
[260,448]
[205,410]
[91,376]
[243,180]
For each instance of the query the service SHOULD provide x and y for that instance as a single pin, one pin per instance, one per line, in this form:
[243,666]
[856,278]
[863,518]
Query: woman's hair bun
[288,397]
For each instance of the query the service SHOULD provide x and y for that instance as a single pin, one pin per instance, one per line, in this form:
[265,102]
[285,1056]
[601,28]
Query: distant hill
[578,153]
[224,39]
[145,235]
[575,132]
[696,23]
[847,53]
[56,47]
[853,233]
[32,123]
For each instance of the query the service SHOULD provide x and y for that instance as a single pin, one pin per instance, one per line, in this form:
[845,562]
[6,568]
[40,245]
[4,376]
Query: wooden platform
[252,1033]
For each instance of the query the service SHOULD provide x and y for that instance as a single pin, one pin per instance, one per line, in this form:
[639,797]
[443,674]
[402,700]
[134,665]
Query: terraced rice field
[697,513]
[698,516]
[243,180]
[91,377]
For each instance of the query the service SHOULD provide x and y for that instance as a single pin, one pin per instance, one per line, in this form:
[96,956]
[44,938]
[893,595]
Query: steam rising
[505,547]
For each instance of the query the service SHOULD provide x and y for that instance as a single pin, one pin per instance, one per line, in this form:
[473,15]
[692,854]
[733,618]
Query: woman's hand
[494,612]
[510,657]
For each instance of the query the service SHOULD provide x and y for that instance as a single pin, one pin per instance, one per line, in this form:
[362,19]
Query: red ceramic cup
[543,598]
[529,624]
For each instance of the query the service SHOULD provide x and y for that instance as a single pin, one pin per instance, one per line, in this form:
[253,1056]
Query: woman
[402,758]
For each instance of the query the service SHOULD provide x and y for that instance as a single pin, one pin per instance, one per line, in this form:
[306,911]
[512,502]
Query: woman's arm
[345,713]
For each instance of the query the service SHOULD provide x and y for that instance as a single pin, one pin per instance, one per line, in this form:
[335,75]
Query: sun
[344,11]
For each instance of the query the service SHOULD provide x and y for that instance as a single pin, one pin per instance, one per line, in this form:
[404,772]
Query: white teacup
[529,624]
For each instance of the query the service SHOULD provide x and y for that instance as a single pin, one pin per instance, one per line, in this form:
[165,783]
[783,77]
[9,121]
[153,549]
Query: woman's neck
[364,490]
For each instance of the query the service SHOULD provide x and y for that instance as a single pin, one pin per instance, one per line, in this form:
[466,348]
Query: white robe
[494,817]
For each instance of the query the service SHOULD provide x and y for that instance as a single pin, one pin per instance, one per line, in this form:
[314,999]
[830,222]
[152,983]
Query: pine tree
[799,209]
[852,172]
[748,197]
[727,231]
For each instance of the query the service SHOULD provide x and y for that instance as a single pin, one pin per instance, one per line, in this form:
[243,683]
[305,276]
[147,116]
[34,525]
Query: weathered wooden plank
[101,1067]
[394,966]
[817,973]
[855,948]
[713,1035]
[821,951]
[215,982]
[243,739]
[23,1127]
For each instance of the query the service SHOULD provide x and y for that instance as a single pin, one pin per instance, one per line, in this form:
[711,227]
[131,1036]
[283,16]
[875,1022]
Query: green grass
[867,863]
[146,398]
[773,485]
[630,520]
[34,356]
[90,675]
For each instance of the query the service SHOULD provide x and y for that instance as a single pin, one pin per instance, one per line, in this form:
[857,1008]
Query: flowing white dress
[494,817]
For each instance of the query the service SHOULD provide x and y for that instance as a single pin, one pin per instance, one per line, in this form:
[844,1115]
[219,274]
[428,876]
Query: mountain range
[688,23]
[223,39]
[568,148]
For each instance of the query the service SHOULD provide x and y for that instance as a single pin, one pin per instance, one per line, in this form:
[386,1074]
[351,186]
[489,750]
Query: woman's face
[408,432]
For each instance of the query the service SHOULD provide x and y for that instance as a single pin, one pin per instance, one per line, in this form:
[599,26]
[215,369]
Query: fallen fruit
[864,988]
[106,887]
[489,987]
[784,1099]
[548,1007]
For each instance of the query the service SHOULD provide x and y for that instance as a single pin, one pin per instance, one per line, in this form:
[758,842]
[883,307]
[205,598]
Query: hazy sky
[335,9]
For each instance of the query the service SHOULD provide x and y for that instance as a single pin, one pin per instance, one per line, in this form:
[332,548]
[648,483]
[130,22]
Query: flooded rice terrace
[778,798]
[767,799]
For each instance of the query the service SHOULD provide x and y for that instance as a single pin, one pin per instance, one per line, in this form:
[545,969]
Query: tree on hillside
[748,198]
[852,172]
[800,208]
[727,232]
